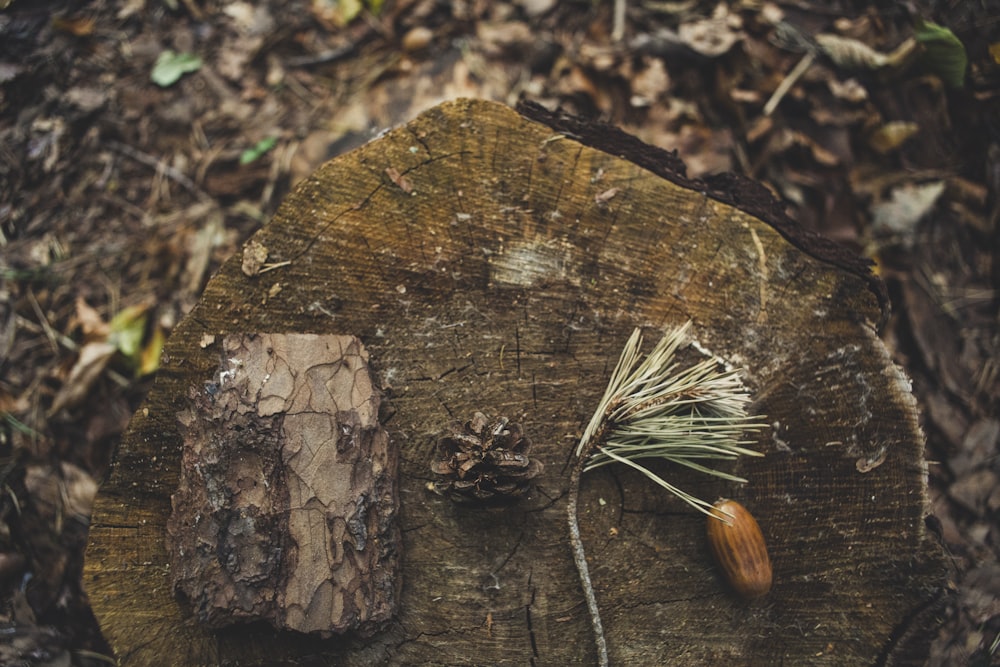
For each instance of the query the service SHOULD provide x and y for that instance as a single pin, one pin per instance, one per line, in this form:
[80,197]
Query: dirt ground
[142,141]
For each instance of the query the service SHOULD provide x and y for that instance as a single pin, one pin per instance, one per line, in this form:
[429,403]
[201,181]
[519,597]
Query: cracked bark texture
[489,262]
[286,506]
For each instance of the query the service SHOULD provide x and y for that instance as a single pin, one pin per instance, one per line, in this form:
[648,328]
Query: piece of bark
[286,506]
[506,281]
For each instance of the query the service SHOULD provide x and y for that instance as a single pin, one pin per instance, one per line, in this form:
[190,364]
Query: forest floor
[142,141]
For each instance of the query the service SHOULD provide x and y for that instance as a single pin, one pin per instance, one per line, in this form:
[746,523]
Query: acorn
[739,549]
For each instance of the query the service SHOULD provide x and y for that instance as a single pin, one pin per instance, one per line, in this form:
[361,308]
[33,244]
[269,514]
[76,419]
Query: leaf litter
[122,194]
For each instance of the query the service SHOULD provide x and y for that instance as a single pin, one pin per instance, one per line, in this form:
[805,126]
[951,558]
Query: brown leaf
[80,27]
[130,7]
[891,136]
[68,491]
[90,363]
[80,489]
[650,83]
[417,39]
[92,325]
[334,14]
[709,37]
[508,37]
[849,91]
[973,491]
[86,98]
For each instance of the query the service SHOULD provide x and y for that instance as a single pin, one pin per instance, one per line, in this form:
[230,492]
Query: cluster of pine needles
[658,410]
[655,408]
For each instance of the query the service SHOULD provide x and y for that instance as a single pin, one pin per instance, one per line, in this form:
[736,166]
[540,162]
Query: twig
[580,559]
[50,333]
[618,21]
[789,81]
[160,165]
[322,58]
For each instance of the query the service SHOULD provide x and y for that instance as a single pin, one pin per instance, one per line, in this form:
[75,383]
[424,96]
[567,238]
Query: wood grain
[505,278]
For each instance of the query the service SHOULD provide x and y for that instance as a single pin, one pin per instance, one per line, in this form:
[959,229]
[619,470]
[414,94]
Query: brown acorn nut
[739,549]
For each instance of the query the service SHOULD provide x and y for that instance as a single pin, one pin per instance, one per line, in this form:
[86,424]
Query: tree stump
[491,262]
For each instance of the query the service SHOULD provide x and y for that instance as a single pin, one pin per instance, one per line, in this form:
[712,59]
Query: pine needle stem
[580,559]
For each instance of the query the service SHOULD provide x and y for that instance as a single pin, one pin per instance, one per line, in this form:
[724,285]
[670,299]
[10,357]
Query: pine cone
[485,462]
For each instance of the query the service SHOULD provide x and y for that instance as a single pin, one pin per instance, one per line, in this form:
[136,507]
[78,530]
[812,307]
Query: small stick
[580,559]
[322,58]
[788,82]
[159,164]
[618,21]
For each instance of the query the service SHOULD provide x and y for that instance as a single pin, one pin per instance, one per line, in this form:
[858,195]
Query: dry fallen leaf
[250,19]
[849,90]
[87,99]
[335,13]
[650,83]
[92,325]
[891,136]
[90,363]
[417,39]
[130,7]
[80,490]
[68,491]
[850,53]
[508,37]
[79,27]
[709,37]
[906,206]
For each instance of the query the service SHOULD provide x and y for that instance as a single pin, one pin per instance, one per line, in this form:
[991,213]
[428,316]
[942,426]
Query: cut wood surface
[490,263]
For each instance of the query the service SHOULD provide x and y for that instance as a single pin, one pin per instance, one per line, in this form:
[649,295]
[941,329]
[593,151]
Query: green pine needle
[655,409]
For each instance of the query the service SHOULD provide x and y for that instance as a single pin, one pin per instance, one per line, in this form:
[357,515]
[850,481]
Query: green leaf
[349,9]
[374,6]
[944,53]
[171,66]
[259,149]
